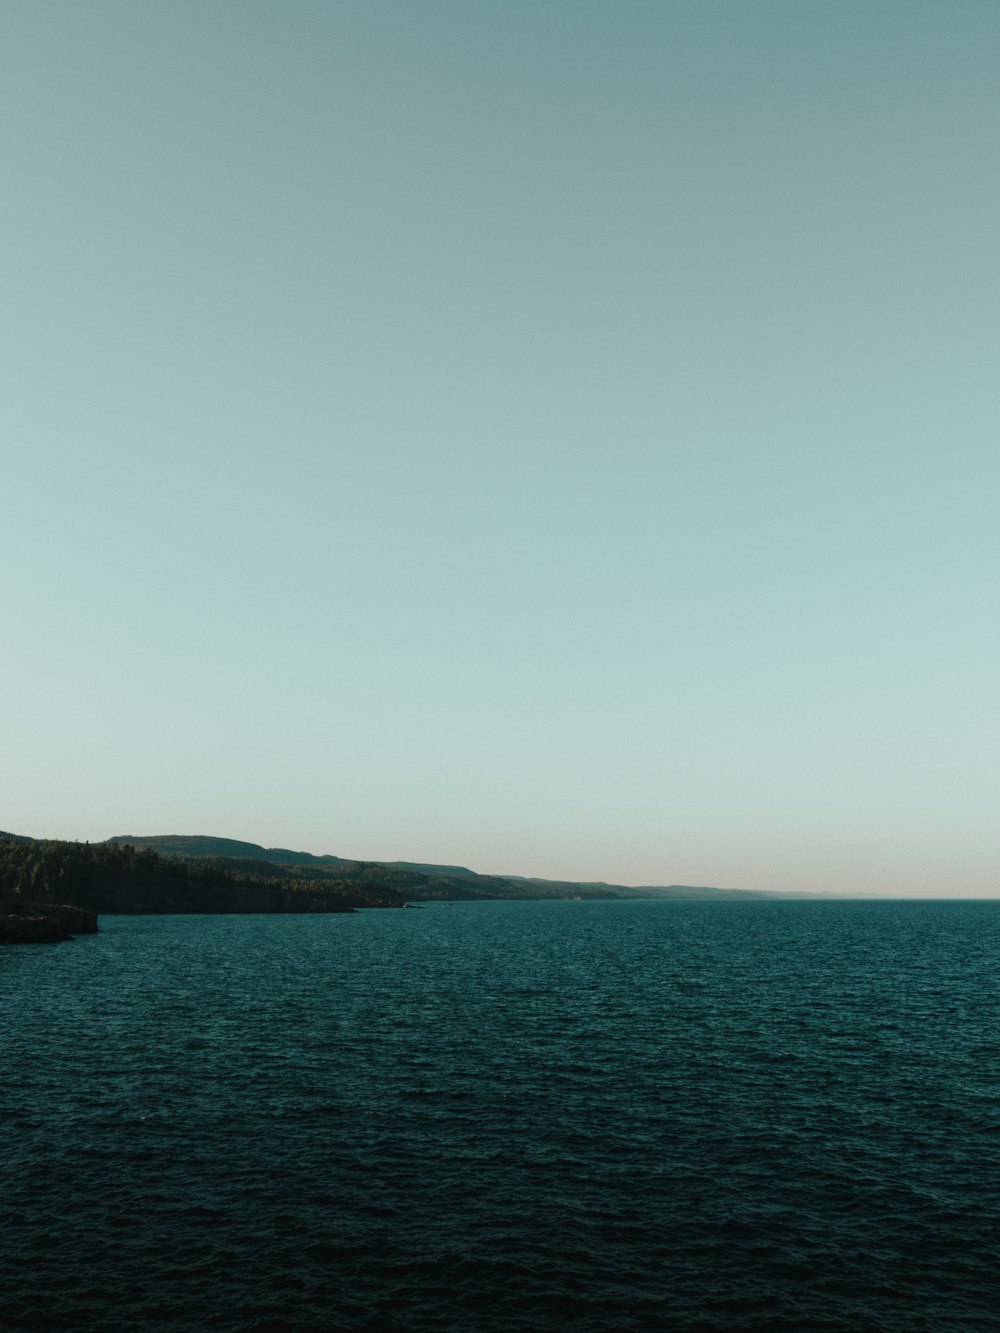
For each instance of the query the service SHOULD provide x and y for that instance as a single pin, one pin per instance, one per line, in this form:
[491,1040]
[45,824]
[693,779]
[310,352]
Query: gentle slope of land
[434,881]
[50,889]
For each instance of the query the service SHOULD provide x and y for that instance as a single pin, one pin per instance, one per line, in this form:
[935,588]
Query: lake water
[602,1115]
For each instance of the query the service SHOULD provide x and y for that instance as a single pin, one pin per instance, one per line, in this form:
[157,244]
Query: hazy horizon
[558,439]
[841,892]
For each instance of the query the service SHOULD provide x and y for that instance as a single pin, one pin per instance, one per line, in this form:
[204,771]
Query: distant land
[46,884]
[444,881]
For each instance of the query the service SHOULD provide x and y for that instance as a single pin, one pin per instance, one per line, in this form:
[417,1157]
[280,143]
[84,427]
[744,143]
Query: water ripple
[756,1116]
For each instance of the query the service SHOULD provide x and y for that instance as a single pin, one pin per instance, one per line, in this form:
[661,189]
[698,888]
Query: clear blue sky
[560,438]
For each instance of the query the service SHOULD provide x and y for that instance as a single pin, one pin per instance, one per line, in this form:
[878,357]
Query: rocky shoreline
[24,922]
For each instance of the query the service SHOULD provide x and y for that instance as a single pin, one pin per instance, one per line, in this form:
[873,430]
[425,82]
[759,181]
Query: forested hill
[178,873]
[278,863]
[191,845]
[425,880]
[109,877]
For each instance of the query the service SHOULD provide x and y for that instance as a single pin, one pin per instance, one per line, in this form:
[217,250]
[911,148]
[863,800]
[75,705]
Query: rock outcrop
[23,922]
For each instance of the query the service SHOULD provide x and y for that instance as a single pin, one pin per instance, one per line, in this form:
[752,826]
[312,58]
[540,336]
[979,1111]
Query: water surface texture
[609,1116]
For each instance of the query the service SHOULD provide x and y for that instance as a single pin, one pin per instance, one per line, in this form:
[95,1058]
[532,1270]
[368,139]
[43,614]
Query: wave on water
[686,1115]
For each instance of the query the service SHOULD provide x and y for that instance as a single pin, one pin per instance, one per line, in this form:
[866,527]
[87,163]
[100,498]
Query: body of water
[608,1115]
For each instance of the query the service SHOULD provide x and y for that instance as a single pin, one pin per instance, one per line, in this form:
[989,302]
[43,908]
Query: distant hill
[180,844]
[420,868]
[438,881]
[598,888]
[199,873]
[253,859]
[108,877]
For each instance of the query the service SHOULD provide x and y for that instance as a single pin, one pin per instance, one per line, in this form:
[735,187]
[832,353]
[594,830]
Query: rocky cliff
[25,922]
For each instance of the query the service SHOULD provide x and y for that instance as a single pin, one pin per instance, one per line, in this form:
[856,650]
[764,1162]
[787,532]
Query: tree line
[108,877]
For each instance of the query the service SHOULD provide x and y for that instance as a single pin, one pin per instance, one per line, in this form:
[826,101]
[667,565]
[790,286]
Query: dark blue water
[691,1116]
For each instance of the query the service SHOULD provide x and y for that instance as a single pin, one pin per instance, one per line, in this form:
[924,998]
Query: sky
[559,438]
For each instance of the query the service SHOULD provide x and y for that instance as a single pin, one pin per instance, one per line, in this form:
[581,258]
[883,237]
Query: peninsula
[51,890]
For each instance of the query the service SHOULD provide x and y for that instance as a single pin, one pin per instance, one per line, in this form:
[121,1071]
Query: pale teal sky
[560,438]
